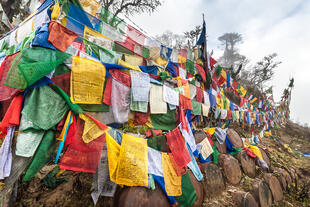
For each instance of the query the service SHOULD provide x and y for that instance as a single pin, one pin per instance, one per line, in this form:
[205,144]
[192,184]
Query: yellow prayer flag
[133,60]
[181,59]
[173,182]
[127,65]
[161,61]
[210,130]
[256,151]
[62,134]
[91,129]
[113,156]
[133,162]
[56,11]
[87,81]
[90,6]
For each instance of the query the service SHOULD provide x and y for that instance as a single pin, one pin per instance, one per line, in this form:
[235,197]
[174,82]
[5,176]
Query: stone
[231,168]
[213,182]
[221,147]
[265,156]
[274,186]
[247,163]
[286,175]
[234,138]
[281,178]
[244,199]
[140,197]
[199,135]
[262,193]
[199,190]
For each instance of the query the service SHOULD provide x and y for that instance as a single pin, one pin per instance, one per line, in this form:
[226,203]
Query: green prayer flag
[164,121]
[188,196]
[196,108]
[42,156]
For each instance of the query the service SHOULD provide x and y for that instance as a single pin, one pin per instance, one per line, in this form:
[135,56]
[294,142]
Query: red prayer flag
[107,91]
[185,102]
[201,71]
[177,146]
[81,156]
[6,92]
[60,36]
[12,116]
[199,95]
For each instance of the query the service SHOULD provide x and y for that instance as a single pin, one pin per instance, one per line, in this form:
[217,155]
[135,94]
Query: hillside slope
[77,191]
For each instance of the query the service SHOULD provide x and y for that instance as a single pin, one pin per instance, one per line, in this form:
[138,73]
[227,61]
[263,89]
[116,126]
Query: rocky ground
[235,181]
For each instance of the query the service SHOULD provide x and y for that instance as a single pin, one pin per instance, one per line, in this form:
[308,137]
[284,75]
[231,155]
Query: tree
[130,7]
[231,59]
[263,71]
[172,40]
[192,36]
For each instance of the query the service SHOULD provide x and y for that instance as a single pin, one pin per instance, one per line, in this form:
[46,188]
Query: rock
[213,182]
[221,147]
[140,197]
[232,171]
[247,163]
[293,175]
[262,193]
[234,138]
[274,186]
[265,156]
[281,178]
[244,199]
[286,175]
[199,135]
[199,190]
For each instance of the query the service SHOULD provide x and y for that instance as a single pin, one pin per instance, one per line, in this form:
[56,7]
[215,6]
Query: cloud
[267,27]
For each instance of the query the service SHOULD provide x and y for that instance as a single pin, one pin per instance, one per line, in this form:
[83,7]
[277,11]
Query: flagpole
[205,45]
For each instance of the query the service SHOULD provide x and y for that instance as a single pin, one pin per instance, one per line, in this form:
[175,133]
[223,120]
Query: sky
[267,26]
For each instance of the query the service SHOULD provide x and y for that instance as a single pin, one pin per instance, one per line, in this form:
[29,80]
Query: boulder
[213,182]
[199,135]
[274,186]
[247,163]
[244,199]
[140,197]
[281,178]
[265,156]
[199,190]
[221,147]
[262,193]
[288,180]
[234,138]
[231,168]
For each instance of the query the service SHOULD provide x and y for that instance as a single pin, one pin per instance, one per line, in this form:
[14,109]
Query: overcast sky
[267,26]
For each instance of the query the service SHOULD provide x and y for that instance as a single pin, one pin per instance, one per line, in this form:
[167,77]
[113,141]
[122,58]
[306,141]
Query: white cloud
[267,27]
